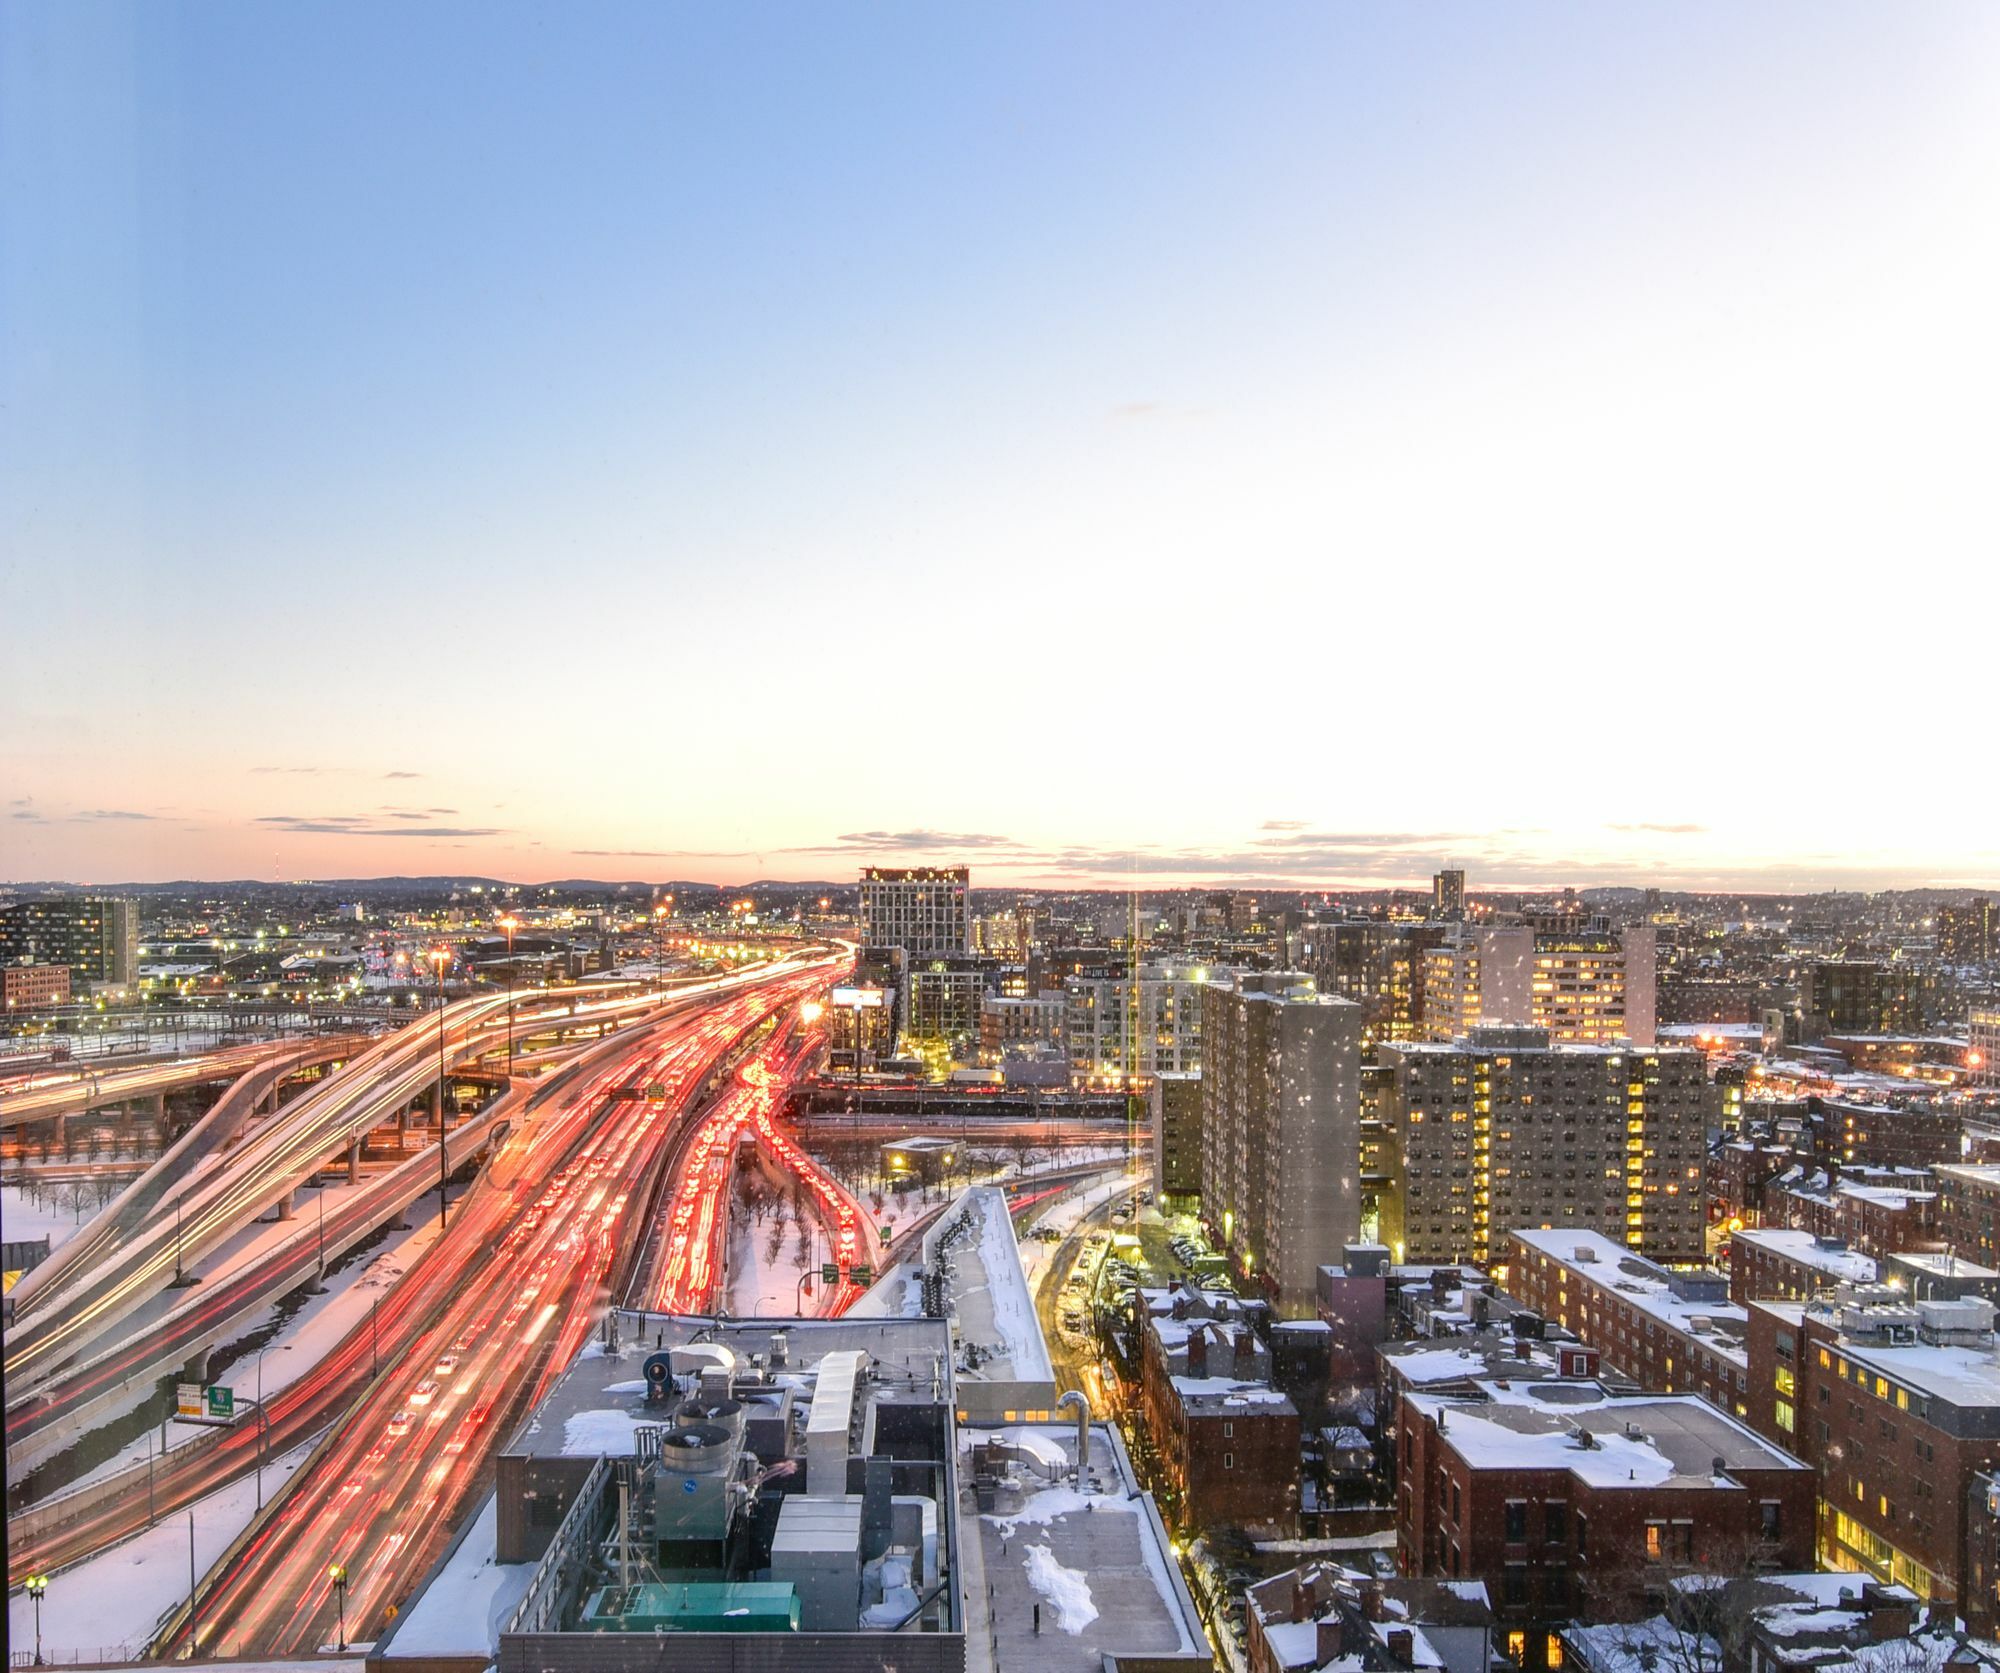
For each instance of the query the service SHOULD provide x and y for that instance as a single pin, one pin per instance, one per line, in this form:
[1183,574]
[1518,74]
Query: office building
[1116,1029]
[1843,996]
[1281,1130]
[1006,1023]
[1503,1129]
[97,938]
[1448,894]
[924,910]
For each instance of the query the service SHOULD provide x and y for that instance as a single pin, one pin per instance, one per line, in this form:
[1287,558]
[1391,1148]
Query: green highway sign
[221,1403]
[885,1234]
[864,1275]
[829,1273]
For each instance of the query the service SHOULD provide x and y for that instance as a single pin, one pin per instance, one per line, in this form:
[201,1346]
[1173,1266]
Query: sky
[1103,444]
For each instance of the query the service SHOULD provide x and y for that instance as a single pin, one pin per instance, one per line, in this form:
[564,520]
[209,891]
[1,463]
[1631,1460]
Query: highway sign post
[208,1403]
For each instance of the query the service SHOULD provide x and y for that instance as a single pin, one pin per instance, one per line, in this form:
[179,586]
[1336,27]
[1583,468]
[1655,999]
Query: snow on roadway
[319,1327]
[1063,1217]
[107,1608]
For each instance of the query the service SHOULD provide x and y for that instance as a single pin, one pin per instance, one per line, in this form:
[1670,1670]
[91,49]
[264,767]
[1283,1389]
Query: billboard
[858,999]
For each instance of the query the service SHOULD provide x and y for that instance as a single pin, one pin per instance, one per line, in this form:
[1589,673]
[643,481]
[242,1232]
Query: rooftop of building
[1833,1258]
[1482,1355]
[1077,1570]
[1648,1441]
[998,1334]
[1694,1302]
[1971,1173]
[1942,1349]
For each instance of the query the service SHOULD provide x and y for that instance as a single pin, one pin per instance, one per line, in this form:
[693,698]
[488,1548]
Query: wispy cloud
[908,842]
[1660,829]
[114,813]
[355,825]
[301,771]
[402,775]
[662,853]
[1284,825]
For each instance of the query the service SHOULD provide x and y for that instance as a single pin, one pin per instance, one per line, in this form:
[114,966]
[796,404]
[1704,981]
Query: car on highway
[445,1366]
[424,1393]
[400,1423]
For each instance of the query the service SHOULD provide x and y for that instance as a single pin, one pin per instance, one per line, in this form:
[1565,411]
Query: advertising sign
[857,999]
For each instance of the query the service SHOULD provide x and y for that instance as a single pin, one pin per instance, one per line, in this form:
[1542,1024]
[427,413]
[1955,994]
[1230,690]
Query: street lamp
[440,957]
[337,1573]
[36,1585]
[510,924]
[263,1422]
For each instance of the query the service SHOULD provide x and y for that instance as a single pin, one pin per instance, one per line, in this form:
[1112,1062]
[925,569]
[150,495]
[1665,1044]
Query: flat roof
[1678,1439]
[990,1302]
[1092,1560]
[1807,1249]
[1614,1270]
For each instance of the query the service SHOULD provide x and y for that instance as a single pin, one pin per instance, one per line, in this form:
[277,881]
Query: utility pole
[439,958]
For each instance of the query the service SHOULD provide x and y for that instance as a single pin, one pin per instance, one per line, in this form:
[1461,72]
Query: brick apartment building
[1579,1508]
[1676,1332]
[1228,1441]
[1968,1210]
[1739,1176]
[1896,1405]
[26,987]
[1769,1263]
[1880,1211]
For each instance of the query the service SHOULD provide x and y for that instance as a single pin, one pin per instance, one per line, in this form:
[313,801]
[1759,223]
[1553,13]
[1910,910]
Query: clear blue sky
[1092,440]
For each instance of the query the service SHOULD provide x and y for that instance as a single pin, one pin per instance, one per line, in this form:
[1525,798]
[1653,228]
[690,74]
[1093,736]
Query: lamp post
[36,1585]
[440,957]
[337,1573]
[263,1422]
[510,924]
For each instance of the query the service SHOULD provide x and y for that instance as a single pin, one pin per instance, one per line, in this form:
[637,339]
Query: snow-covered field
[22,1220]
[106,1609]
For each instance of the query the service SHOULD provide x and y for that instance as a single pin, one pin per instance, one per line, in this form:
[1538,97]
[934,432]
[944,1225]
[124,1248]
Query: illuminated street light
[337,1573]
[36,1585]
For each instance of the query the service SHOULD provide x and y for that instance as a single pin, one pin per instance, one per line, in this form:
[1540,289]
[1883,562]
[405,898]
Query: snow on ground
[1067,1589]
[23,1220]
[107,1608]
[756,1285]
[318,1327]
[461,1612]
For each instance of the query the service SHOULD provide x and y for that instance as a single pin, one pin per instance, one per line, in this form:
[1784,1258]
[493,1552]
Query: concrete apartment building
[1115,1029]
[1005,1022]
[1176,1117]
[1584,984]
[96,937]
[1281,1130]
[924,910]
[1503,1129]
[1574,1508]
[1676,1331]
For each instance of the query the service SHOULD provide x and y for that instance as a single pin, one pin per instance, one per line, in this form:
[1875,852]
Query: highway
[531,1258]
[46,1094]
[686,1273]
[210,1209]
[196,1148]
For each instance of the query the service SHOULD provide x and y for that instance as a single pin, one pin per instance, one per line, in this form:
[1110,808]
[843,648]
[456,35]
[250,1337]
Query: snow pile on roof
[601,1431]
[1065,1588]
